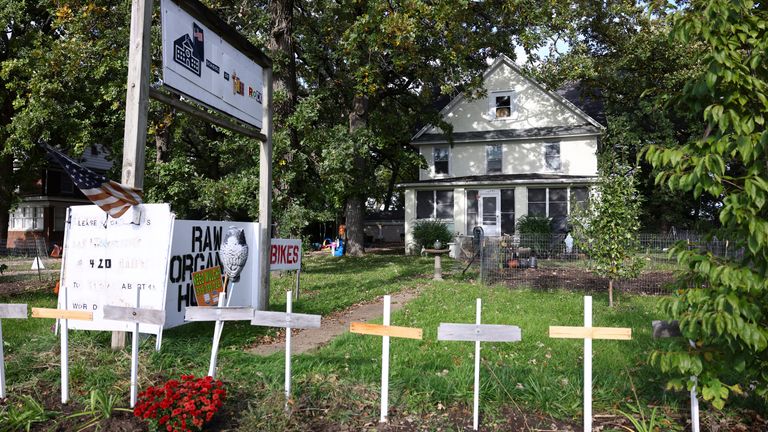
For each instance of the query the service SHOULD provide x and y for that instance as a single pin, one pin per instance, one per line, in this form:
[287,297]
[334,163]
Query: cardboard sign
[106,260]
[207,285]
[196,246]
[285,254]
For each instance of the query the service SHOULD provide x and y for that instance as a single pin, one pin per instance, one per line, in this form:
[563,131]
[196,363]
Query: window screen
[472,210]
[503,105]
[579,197]
[440,156]
[537,202]
[493,158]
[508,211]
[444,208]
[552,156]
[425,204]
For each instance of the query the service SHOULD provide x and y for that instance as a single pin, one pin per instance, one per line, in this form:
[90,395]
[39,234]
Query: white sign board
[285,254]
[200,64]
[106,260]
[196,245]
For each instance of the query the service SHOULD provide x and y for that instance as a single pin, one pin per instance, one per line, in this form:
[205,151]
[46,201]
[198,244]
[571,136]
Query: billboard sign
[198,245]
[202,65]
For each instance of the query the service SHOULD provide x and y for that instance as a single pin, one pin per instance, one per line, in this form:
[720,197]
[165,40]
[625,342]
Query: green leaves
[723,299]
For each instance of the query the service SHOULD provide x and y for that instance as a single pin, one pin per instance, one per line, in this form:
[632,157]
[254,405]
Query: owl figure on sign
[233,253]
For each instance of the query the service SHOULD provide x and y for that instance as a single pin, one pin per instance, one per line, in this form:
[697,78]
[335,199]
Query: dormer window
[440,158]
[501,105]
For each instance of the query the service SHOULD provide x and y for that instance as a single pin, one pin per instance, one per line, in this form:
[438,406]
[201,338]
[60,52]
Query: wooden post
[265,191]
[588,333]
[136,316]
[63,316]
[386,331]
[18,311]
[136,105]
[478,333]
[667,329]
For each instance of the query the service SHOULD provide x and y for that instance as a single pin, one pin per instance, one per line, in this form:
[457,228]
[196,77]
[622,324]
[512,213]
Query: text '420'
[104,263]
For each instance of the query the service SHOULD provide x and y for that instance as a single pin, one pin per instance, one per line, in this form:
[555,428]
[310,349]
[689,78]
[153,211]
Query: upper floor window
[440,158]
[493,159]
[501,105]
[27,219]
[552,156]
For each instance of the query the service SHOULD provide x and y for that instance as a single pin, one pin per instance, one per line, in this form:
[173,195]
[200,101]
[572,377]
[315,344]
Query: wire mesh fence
[543,261]
[32,247]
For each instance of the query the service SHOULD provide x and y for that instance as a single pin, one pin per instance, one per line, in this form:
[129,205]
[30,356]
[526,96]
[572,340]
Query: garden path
[333,325]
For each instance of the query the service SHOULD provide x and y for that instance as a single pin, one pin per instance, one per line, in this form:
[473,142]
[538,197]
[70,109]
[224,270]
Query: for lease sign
[285,254]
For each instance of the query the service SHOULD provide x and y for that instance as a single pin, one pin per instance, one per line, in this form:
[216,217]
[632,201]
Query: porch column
[409,219]
[460,211]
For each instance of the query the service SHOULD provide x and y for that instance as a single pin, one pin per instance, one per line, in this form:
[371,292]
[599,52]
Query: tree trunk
[391,187]
[164,136]
[355,202]
[6,194]
[610,292]
[282,50]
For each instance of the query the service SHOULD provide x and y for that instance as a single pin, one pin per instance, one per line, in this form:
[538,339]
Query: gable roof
[591,127]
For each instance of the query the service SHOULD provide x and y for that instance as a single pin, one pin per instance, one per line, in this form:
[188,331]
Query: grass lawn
[337,386]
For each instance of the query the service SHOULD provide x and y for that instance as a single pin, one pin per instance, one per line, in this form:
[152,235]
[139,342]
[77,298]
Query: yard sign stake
[386,331]
[667,329]
[218,328]
[588,333]
[478,333]
[18,311]
[136,316]
[289,320]
[63,316]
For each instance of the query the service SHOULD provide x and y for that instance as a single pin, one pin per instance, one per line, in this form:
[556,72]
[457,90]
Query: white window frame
[492,104]
[434,164]
[27,218]
[434,205]
[501,158]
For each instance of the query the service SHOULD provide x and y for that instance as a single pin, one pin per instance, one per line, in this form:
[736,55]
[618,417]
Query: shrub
[184,405]
[528,224]
[427,231]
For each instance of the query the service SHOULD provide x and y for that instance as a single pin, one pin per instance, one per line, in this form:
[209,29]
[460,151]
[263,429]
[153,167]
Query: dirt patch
[332,326]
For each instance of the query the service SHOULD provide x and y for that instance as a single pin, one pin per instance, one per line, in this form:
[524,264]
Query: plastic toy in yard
[338,250]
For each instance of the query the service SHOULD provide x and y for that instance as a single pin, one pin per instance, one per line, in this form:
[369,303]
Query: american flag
[111,196]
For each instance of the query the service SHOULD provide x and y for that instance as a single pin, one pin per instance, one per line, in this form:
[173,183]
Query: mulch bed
[653,282]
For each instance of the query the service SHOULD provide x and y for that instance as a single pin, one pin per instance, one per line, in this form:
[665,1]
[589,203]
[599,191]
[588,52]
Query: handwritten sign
[207,284]
[107,260]
[285,254]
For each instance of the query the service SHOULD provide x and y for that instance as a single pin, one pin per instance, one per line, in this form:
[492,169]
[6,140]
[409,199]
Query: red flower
[181,405]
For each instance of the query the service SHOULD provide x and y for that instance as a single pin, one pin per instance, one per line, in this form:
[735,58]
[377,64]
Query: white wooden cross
[386,331]
[18,311]
[478,333]
[289,320]
[136,316]
[588,333]
[218,314]
[667,329]
[63,315]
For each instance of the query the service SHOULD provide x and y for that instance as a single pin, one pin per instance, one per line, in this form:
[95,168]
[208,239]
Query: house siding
[577,156]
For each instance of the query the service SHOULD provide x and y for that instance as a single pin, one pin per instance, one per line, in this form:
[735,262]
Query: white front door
[489,207]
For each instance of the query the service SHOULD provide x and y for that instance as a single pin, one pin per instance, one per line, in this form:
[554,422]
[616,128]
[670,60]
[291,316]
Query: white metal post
[385,364]
[587,366]
[2,364]
[217,329]
[288,310]
[64,358]
[476,406]
[135,354]
[694,400]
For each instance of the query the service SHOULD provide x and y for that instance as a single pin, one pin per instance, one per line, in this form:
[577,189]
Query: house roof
[510,134]
[572,91]
[502,179]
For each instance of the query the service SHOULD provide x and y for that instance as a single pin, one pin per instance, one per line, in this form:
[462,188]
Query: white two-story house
[519,150]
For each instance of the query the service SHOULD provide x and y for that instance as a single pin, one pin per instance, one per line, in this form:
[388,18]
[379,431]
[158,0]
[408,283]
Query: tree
[606,229]
[62,80]
[722,301]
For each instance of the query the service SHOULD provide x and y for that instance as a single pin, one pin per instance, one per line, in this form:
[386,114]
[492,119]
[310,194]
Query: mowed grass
[539,373]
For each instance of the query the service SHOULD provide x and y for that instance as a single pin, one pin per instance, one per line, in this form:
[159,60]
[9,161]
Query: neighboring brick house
[41,213]
[520,150]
